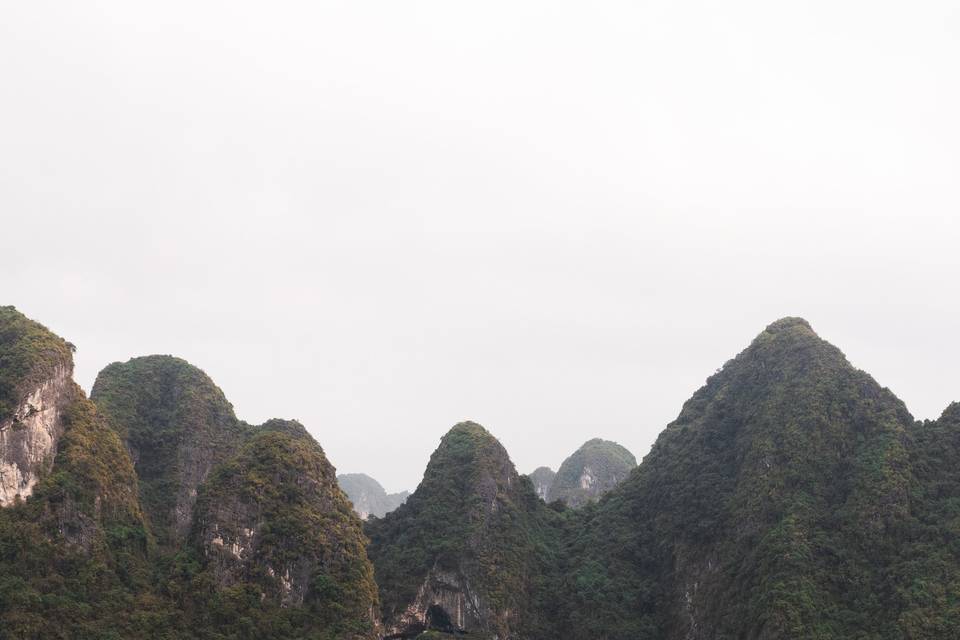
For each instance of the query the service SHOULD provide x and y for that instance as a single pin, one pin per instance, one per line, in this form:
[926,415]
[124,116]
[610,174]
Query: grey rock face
[369,498]
[542,478]
[28,438]
[445,602]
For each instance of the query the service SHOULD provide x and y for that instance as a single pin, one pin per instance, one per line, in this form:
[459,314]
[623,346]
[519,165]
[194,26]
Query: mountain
[177,425]
[926,574]
[369,498]
[592,470]
[469,550]
[772,507]
[542,478]
[73,542]
[279,545]
[792,498]
[252,515]
[245,532]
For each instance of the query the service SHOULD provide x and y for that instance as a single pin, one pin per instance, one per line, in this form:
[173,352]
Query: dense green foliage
[592,470]
[73,557]
[178,425]
[29,352]
[768,509]
[927,572]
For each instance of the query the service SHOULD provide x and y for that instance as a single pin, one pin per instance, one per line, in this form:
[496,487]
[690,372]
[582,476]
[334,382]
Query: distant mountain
[542,478]
[369,498]
[467,551]
[592,470]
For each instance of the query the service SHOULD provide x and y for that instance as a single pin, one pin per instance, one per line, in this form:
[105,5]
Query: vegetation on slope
[73,557]
[927,572]
[178,426]
[766,510]
[280,552]
[29,353]
[472,516]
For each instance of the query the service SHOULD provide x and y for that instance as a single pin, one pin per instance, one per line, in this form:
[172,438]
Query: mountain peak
[788,323]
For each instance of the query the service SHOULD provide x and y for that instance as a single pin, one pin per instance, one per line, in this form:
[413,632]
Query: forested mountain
[369,498]
[244,531]
[775,506]
[591,471]
[469,550]
[793,497]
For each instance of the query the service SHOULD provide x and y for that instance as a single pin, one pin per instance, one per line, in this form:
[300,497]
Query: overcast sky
[556,219]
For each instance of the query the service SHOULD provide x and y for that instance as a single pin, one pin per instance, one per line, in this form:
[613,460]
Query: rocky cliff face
[29,437]
[462,554]
[542,479]
[369,498]
[72,535]
[35,380]
[591,471]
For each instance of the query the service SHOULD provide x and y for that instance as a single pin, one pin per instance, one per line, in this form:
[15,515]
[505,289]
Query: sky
[554,218]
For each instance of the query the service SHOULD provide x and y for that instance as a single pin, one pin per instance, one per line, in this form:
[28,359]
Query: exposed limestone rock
[542,478]
[28,438]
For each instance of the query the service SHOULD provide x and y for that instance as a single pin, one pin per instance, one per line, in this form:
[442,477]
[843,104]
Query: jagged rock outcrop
[591,471]
[368,496]
[36,370]
[468,549]
[542,479]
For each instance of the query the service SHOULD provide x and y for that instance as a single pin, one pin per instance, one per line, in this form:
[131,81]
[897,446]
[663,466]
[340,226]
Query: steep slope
[277,536]
[469,549]
[592,470]
[542,478]
[73,544]
[257,539]
[177,425]
[35,383]
[368,496]
[927,572]
[768,509]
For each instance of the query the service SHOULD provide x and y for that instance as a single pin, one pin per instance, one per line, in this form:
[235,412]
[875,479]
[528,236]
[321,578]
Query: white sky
[554,218]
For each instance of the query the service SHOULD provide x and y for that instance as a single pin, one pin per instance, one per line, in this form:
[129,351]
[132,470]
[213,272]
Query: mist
[555,219]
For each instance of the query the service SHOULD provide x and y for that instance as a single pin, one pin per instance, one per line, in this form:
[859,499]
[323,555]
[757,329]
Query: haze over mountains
[793,497]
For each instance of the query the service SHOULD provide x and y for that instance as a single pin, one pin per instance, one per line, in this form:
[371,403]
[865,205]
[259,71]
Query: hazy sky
[556,219]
